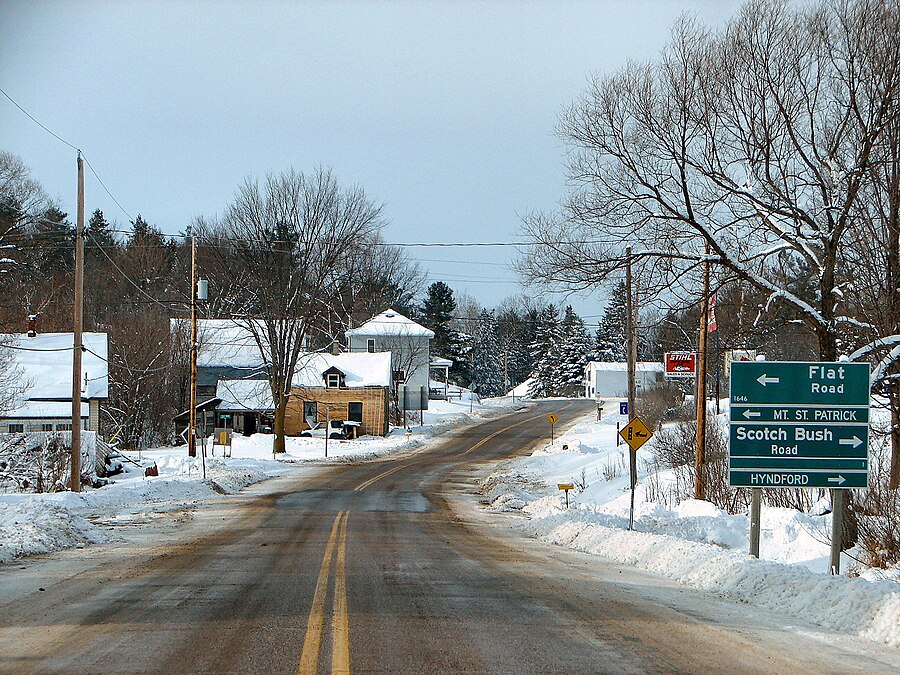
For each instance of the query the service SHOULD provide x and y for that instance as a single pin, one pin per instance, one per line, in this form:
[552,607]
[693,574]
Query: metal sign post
[635,434]
[566,487]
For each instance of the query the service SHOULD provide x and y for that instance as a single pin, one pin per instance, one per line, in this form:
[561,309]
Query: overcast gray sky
[443,111]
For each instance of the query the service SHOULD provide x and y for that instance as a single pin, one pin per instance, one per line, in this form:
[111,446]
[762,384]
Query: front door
[249,424]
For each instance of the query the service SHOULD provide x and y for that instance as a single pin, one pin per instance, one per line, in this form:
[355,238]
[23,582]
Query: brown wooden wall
[374,406]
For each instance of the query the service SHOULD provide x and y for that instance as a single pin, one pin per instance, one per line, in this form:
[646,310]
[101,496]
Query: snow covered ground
[40,523]
[693,542]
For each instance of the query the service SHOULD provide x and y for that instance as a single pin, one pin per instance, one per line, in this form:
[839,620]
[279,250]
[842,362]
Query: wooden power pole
[192,425]
[75,478]
[631,346]
[699,487]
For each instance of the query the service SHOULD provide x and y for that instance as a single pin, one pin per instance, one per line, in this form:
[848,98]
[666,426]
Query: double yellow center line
[500,431]
[340,622]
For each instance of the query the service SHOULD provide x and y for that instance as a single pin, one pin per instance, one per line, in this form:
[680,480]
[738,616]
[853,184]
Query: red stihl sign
[681,364]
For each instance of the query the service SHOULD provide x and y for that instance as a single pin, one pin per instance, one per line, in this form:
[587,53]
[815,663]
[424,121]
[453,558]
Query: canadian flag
[711,324]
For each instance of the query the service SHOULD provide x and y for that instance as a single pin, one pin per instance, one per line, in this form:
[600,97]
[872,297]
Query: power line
[126,277]
[33,349]
[110,362]
[63,140]
[33,119]
[105,189]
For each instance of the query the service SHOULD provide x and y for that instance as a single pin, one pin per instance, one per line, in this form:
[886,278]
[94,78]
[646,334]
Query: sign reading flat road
[636,433]
[799,424]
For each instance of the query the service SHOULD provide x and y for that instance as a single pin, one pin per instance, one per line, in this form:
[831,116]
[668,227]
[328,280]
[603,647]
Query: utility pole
[699,487]
[631,342]
[75,478]
[192,431]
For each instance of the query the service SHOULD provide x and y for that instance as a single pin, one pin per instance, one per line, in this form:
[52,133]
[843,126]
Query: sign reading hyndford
[681,364]
[799,424]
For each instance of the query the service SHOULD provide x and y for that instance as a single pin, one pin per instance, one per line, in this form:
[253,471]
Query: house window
[354,411]
[64,427]
[16,428]
[310,412]
[47,426]
[333,380]
[370,345]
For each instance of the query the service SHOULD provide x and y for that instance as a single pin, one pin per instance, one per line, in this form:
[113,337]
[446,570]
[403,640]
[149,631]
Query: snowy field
[693,542]
[40,523]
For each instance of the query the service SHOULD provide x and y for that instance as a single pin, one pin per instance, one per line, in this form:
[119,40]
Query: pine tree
[460,352]
[437,311]
[487,367]
[543,350]
[574,351]
[53,241]
[610,343]
[98,234]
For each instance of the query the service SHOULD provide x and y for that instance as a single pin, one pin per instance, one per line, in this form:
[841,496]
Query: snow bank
[41,523]
[846,605]
[38,526]
[692,542]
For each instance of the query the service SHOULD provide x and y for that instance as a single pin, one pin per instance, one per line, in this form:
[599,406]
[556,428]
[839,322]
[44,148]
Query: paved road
[371,568]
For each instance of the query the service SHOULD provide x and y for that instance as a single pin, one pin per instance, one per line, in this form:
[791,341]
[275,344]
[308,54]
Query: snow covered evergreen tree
[487,366]
[610,343]
[461,346]
[543,350]
[574,351]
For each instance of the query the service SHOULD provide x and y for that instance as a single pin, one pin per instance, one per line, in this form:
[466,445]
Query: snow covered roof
[643,366]
[223,343]
[361,369]
[392,323]
[45,364]
[46,410]
[441,362]
[244,395]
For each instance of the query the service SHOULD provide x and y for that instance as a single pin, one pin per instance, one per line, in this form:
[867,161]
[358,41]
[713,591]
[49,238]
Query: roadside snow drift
[693,542]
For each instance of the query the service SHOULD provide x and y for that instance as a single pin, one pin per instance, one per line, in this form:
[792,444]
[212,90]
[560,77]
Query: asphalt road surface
[376,567]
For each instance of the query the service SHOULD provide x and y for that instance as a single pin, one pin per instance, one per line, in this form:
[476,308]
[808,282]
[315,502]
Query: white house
[44,367]
[610,380]
[410,347]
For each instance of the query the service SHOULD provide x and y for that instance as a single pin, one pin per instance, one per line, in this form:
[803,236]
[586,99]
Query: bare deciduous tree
[764,149]
[284,249]
[753,144]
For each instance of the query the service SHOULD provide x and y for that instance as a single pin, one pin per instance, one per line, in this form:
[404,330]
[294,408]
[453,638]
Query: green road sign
[741,412]
[798,440]
[799,424]
[795,479]
[798,383]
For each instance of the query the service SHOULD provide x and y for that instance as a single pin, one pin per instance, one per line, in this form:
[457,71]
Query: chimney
[335,347]
[32,324]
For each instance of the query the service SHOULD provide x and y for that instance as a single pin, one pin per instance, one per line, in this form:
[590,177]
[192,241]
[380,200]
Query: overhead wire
[62,235]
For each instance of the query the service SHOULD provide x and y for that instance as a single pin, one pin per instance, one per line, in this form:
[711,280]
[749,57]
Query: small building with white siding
[610,380]
[43,367]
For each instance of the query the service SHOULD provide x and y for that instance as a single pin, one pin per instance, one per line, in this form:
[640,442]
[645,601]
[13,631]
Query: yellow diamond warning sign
[636,433]
[553,419]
